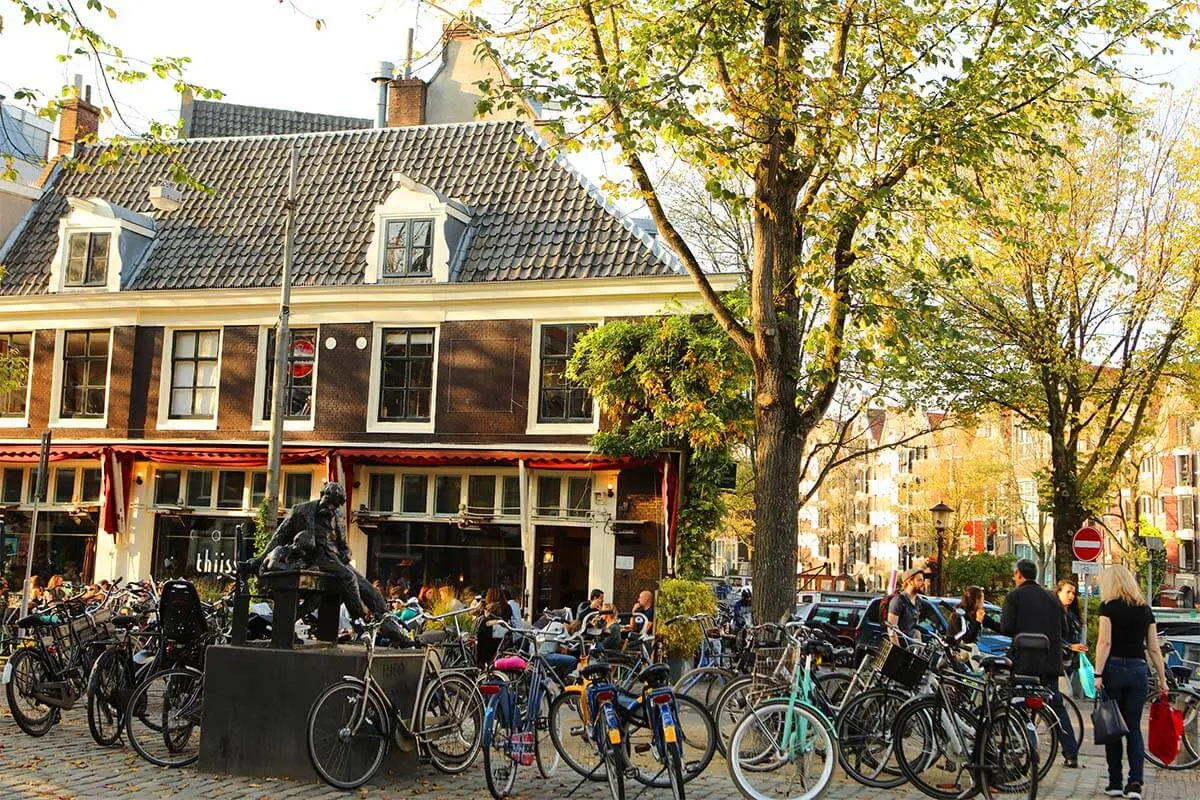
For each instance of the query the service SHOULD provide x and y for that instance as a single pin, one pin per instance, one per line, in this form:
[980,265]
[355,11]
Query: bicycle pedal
[641,748]
[631,773]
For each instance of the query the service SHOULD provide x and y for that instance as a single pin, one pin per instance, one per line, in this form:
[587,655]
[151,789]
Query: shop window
[11,491]
[64,485]
[416,495]
[447,494]
[12,402]
[559,398]
[297,488]
[192,546]
[510,500]
[66,544]
[406,379]
[300,376]
[89,491]
[579,497]
[481,494]
[382,493]
[258,489]
[549,499]
[167,486]
[199,488]
[194,374]
[85,374]
[231,488]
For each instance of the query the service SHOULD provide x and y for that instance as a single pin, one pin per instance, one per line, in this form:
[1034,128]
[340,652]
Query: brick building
[442,274]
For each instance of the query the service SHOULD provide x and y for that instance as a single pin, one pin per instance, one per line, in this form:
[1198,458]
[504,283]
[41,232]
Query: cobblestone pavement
[67,764]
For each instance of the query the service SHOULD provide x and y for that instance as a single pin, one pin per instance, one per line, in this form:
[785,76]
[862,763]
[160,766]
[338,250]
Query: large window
[14,361]
[87,259]
[409,248]
[233,490]
[85,374]
[194,374]
[300,377]
[560,399]
[406,379]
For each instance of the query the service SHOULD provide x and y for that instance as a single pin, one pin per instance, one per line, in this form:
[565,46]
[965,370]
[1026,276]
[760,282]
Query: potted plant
[681,641]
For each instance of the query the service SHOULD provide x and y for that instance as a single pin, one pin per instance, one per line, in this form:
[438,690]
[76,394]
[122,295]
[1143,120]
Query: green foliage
[673,382]
[262,533]
[210,590]
[14,370]
[989,571]
[687,597]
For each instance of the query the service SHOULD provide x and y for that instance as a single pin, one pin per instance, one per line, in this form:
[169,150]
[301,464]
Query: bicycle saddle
[817,648]
[511,664]
[433,637]
[993,663]
[655,675]
[34,620]
[595,670]
[128,621]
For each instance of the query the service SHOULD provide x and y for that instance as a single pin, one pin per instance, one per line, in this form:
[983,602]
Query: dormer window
[87,260]
[409,248]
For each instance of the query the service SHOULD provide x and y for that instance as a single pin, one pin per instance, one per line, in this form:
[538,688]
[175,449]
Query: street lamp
[941,516]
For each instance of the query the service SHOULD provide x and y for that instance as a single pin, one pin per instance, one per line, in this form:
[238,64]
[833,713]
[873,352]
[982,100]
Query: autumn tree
[1079,286]
[827,122]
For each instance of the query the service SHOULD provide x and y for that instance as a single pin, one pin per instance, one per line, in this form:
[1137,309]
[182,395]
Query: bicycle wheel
[729,709]
[548,757]
[1075,716]
[1045,730]
[864,734]
[451,722]
[1008,755]
[697,743]
[499,768]
[572,736]
[614,763]
[1186,701]
[790,751]
[343,758]
[673,756]
[932,758]
[24,673]
[833,686]
[174,700]
[108,691]
[705,684]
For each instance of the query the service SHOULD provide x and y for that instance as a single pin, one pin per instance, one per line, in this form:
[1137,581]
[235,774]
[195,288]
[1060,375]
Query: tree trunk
[777,497]
[1069,513]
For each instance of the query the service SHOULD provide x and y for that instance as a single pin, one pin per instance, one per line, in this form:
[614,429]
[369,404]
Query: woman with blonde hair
[1127,634]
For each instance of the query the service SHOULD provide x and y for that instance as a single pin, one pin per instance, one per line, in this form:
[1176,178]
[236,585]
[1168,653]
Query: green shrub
[679,596]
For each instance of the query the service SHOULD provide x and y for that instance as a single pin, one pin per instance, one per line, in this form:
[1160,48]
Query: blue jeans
[562,663]
[1066,733]
[1125,681]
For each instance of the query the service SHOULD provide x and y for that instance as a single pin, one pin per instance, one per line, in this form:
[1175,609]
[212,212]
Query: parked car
[935,615]
[841,618]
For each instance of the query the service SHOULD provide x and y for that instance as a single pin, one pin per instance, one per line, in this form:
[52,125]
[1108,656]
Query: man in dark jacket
[1032,609]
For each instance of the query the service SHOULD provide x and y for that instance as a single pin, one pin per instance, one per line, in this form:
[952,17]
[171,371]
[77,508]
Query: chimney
[78,119]
[406,102]
[383,76]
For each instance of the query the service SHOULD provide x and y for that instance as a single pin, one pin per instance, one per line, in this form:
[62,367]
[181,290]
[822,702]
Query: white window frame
[166,376]
[532,424]
[76,465]
[374,424]
[56,384]
[213,510]
[564,497]
[95,216]
[410,200]
[23,422]
[431,475]
[258,423]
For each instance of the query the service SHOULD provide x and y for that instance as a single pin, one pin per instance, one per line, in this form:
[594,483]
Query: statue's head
[333,495]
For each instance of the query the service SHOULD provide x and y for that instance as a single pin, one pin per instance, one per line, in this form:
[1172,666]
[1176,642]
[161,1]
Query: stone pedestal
[256,702]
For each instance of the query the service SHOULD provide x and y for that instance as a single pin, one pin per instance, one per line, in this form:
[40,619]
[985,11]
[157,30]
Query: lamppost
[941,516]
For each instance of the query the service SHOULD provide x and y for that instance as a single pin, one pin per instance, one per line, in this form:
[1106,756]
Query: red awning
[465,458]
[231,457]
[30,453]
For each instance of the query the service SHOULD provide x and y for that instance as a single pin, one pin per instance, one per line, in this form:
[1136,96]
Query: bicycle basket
[901,666]
[772,667]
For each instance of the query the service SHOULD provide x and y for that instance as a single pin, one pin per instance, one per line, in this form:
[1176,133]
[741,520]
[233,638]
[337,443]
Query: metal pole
[941,543]
[278,401]
[38,490]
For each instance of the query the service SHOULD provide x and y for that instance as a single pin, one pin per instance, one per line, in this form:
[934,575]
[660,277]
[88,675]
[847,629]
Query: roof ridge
[355,131]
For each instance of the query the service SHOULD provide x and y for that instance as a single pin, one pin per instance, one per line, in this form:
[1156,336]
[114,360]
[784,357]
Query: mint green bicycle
[784,747]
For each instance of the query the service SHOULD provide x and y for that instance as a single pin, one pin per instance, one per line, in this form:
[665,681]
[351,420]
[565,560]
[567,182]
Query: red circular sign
[1087,544]
[303,351]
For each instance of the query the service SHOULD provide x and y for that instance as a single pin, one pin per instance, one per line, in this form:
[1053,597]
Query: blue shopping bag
[1087,677]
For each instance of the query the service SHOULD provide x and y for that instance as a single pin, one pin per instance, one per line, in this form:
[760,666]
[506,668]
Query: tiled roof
[531,216]
[211,119]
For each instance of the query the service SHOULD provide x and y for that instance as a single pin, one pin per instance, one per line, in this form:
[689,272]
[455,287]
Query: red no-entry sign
[1087,543]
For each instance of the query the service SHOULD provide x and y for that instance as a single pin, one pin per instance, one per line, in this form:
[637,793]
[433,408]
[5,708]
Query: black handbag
[1107,721]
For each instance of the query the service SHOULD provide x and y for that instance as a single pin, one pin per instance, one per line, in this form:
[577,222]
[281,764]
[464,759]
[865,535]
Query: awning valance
[412,457]
[30,453]
[229,457]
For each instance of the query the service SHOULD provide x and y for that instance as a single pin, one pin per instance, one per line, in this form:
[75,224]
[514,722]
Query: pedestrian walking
[1127,634]
[1030,608]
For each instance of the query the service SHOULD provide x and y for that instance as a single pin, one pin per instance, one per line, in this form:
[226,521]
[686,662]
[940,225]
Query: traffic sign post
[1087,544]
